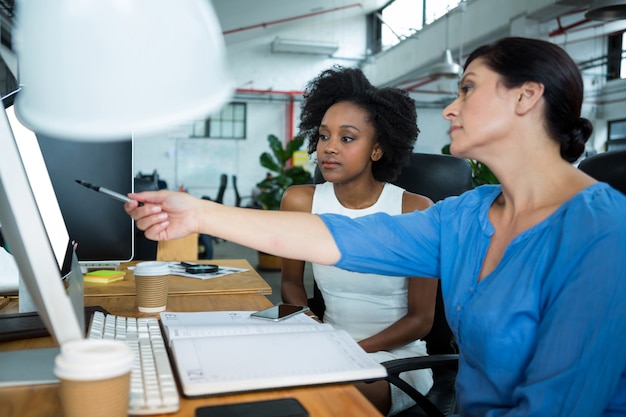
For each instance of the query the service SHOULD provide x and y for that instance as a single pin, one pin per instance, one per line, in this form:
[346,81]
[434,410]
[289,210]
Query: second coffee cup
[152,282]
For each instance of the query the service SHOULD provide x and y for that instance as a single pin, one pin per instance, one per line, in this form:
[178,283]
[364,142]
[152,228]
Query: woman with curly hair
[362,137]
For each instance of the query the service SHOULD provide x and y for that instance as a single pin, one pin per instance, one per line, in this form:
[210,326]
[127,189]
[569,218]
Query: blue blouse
[544,334]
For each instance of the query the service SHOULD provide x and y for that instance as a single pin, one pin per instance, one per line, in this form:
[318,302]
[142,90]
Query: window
[617,135]
[437,8]
[400,19]
[616,62]
[228,123]
[622,73]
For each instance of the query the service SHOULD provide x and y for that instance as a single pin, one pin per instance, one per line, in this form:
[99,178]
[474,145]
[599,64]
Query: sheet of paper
[177,269]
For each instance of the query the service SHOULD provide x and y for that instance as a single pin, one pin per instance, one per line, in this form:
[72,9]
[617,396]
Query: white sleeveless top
[361,304]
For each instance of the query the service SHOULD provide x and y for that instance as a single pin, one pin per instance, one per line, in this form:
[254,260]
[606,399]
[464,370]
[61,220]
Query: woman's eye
[347,139]
[322,137]
[465,88]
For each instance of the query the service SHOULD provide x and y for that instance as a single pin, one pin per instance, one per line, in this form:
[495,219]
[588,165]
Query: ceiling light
[606,10]
[447,69]
[304,46]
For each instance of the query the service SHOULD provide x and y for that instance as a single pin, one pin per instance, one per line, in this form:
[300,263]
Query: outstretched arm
[170,215]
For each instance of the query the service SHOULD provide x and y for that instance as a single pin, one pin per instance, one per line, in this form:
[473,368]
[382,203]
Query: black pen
[106,191]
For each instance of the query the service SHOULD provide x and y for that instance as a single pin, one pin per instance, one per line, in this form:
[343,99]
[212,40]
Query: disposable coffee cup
[152,282]
[95,377]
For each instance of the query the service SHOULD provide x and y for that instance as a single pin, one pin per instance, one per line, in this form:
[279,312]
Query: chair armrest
[396,366]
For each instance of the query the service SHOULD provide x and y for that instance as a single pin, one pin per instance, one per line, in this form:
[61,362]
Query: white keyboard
[152,385]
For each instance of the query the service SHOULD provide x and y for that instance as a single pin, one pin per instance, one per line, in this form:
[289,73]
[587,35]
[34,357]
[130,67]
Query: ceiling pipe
[563,29]
[291,19]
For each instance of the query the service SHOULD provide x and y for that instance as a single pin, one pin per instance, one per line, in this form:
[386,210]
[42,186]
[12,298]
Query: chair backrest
[237,195]
[145,249]
[436,177]
[609,167]
[222,189]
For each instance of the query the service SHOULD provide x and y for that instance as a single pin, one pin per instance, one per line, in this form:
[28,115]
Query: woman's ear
[530,93]
[377,153]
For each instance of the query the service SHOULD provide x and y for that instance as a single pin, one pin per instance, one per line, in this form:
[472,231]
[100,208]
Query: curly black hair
[391,111]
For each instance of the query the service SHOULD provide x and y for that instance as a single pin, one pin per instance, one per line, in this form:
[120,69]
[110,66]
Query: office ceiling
[238,17]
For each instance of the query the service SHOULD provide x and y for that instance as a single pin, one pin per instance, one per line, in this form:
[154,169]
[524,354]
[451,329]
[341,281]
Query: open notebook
[226,352]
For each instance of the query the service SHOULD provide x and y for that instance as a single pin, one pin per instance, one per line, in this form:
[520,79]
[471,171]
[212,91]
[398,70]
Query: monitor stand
[35,366]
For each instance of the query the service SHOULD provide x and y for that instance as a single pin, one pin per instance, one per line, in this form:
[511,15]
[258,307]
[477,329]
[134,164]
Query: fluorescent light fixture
[606,10]
[101,70]
[447,69]
[304,46]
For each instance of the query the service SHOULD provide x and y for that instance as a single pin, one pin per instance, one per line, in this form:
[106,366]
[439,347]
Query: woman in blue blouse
[532,270]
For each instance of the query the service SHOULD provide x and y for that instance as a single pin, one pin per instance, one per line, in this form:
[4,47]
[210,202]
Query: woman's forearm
[293,235]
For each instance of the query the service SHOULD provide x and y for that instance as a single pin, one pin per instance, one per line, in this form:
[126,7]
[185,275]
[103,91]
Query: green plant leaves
[272,189]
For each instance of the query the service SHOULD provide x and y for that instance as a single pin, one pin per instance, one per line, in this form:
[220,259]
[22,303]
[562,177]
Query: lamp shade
[606,10]
[101,69]
[447,69]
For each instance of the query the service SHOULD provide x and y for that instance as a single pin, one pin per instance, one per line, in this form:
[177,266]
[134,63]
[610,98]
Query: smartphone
[279,312]
[193,268]
[282,407]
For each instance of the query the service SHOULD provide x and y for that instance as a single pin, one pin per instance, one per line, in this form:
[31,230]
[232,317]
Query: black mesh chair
[145,249]
[436,177]
[609,167]
[205,242]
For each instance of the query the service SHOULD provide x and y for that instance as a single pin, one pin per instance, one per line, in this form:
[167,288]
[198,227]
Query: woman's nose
[330,146]
[451,110]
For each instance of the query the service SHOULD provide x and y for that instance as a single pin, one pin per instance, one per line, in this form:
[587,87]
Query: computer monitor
[35,233]
[104,232]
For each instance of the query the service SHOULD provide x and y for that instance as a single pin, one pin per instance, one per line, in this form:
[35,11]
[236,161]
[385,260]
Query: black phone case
[283,407]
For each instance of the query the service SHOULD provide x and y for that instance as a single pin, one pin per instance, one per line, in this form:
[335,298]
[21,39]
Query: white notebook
[226,352]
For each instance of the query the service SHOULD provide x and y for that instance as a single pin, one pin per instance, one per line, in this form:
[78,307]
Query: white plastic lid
[152,268]
[89,359]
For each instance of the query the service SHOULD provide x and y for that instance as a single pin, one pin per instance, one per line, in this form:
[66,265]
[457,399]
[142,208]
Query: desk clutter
[181,268]
[224,352]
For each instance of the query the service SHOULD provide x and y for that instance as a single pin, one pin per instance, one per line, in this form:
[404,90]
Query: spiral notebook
[218,353]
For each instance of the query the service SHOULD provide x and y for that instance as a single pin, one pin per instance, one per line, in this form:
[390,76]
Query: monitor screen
[100,226]
[35,233]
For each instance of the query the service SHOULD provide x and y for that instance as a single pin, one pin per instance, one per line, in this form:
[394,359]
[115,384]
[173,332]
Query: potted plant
[281,175]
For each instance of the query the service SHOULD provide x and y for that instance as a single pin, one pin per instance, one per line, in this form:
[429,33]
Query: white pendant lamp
[447,69]
[101,69]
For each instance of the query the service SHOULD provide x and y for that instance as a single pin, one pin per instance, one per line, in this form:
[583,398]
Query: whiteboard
[201,162]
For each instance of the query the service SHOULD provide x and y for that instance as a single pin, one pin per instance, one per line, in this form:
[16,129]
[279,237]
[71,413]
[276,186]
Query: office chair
[205,242]
[609,167]
[436,177]
[145,249]
[222,189]
[238,197]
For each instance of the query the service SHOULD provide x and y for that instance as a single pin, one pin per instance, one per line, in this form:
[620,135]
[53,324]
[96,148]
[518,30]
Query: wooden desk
[240,283]
[322,401]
